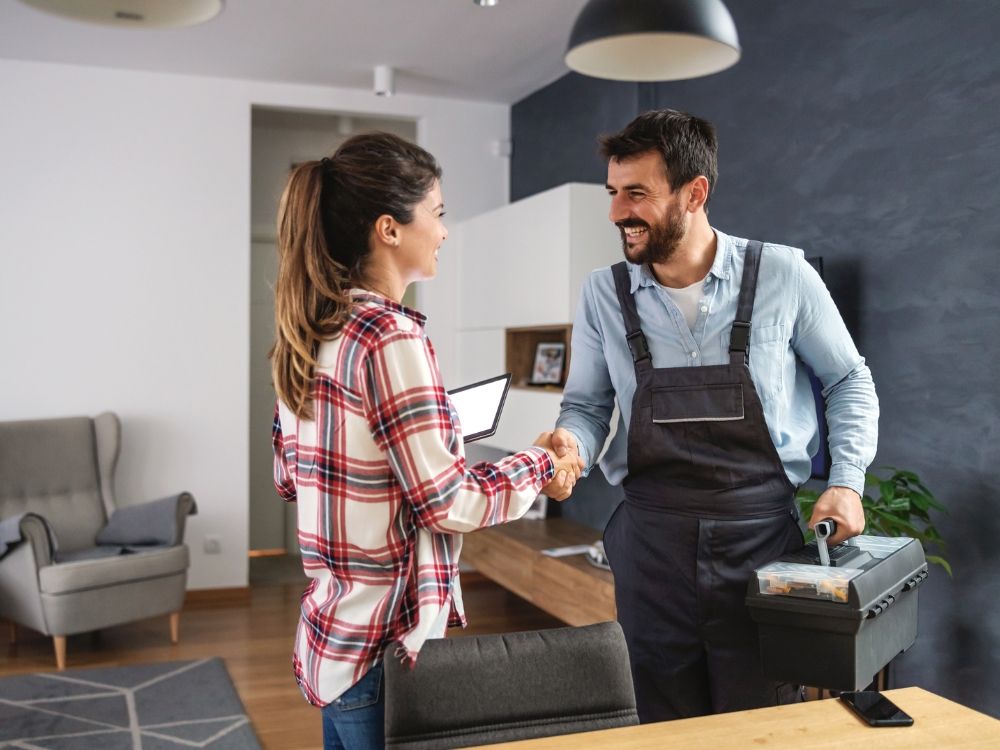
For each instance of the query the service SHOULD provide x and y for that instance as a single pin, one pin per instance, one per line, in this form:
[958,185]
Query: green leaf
[920,501]
[930,501]
[933,534]
[895,521]
[899,503]
[938,560]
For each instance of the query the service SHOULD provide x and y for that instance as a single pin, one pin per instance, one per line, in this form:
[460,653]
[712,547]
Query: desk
[569,588]
[938,724]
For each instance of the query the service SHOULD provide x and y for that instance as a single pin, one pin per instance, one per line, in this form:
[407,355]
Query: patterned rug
[166,706]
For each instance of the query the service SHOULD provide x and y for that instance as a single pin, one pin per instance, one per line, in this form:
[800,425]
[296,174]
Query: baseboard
[276,552]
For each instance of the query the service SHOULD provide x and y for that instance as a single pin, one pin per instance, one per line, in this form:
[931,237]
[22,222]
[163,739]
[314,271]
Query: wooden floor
[253,633]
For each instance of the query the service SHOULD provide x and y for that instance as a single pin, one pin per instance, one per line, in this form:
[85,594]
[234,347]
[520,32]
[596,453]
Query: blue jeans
[355,720]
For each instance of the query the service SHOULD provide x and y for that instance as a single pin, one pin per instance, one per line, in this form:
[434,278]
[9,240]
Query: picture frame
[550,358]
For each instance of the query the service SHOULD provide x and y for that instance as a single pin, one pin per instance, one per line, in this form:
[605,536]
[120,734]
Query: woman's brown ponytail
[325,219]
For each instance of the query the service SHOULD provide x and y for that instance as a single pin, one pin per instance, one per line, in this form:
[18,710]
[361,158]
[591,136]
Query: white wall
[125,255]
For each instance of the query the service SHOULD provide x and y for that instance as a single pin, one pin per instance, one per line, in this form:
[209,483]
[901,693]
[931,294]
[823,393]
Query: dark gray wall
[868,133]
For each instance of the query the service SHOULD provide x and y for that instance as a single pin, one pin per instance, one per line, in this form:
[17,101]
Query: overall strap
[739,340]
[633,330]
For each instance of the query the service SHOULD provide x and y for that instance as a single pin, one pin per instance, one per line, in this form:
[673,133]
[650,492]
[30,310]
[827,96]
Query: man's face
[649,215]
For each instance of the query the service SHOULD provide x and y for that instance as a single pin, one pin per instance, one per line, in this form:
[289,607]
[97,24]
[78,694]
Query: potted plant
[899,504]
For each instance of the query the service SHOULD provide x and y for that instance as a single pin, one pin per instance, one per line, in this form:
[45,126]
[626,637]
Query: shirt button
[704,308]
[694,355]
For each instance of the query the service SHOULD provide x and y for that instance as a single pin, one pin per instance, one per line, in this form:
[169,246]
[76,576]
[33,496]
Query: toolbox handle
[825,528]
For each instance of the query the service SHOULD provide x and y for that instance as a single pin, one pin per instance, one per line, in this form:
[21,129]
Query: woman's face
[420,240]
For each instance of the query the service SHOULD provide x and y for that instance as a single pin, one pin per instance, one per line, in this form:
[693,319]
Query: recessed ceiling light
[485,3]
[135,13]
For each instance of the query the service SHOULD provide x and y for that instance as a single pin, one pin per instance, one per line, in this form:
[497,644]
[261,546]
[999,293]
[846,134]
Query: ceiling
[450,48]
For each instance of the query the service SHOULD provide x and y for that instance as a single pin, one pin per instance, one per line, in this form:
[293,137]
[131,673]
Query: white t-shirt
[687,300]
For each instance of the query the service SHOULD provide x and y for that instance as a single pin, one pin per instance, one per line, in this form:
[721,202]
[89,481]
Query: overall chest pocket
[721,402]
[768,345]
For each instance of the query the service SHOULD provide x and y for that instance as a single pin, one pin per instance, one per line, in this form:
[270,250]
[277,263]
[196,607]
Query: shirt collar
[363,295]
[640,276]
[723,263]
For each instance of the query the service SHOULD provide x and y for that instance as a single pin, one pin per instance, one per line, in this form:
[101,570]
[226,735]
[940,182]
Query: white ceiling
[450,48]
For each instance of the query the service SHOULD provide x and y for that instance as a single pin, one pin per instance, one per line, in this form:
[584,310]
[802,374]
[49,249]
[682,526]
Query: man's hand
[843,505]
[567,462]
[564,443]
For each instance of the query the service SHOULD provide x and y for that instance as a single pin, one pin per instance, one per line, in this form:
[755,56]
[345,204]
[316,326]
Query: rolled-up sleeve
[589,396]
[822,341]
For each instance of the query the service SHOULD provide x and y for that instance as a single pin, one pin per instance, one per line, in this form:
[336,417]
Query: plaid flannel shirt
[383,495]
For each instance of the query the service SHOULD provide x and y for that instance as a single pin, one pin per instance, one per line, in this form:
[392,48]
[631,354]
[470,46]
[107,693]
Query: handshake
[562,449]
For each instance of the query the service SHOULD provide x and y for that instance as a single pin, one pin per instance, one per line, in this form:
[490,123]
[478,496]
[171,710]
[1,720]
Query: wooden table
[569,588]
[938,724]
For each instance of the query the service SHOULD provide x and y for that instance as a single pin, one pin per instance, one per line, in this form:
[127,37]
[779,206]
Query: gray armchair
[71,561]
[486,689]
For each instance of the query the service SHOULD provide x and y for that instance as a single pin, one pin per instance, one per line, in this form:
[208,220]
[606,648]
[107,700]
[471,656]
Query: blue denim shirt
[794,321]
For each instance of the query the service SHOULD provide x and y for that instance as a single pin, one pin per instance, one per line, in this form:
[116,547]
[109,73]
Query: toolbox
[836,626]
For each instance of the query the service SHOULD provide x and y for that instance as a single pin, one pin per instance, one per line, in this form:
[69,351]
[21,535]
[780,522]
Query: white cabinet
[524,265]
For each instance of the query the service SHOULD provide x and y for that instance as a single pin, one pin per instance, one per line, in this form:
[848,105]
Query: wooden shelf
[569,588]
[520,346]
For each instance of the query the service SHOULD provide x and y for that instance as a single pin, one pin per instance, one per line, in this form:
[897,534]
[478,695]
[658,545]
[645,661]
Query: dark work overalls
[706,501]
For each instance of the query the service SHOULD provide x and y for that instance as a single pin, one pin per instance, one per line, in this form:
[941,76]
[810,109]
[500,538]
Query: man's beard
[662,239]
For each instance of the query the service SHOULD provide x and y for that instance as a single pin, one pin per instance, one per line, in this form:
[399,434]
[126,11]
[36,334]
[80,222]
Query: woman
[364,437]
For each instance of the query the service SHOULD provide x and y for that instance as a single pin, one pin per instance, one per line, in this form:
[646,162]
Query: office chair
[486,689]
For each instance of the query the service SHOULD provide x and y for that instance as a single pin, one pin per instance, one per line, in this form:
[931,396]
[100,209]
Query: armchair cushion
[67,577]
[155,522]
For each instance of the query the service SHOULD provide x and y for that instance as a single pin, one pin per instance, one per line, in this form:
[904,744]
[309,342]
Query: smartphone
[876,709]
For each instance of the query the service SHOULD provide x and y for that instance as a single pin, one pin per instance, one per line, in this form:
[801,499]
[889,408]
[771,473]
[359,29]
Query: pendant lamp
[652,40]
[147,14]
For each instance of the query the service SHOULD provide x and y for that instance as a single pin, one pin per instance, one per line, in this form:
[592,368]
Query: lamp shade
[134,13]
[652,40]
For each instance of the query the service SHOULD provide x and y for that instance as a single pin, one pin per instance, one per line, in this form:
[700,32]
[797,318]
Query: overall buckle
[740,339]
[637,344]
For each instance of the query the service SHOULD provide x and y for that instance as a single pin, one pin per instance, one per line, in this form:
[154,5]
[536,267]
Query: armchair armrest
[155,522]
[186,506]
[33,529]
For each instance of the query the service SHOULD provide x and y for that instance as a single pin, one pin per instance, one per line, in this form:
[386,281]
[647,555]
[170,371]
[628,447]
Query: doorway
[281,138]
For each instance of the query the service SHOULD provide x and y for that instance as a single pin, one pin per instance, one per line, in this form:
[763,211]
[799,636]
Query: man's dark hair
[687,144]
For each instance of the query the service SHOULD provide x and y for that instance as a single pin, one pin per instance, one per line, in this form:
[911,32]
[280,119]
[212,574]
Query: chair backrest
[486,689]
[50,467]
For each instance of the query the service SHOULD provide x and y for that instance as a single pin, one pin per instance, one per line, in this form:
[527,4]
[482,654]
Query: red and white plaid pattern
[384,495]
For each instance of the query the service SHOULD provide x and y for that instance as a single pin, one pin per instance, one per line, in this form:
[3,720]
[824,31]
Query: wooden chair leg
[13,633]
[175,627]
[59,642]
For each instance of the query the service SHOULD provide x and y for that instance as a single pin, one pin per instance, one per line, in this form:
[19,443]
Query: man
[701,338]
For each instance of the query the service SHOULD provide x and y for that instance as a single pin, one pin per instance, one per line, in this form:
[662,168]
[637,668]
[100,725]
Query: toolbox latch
[915,581]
